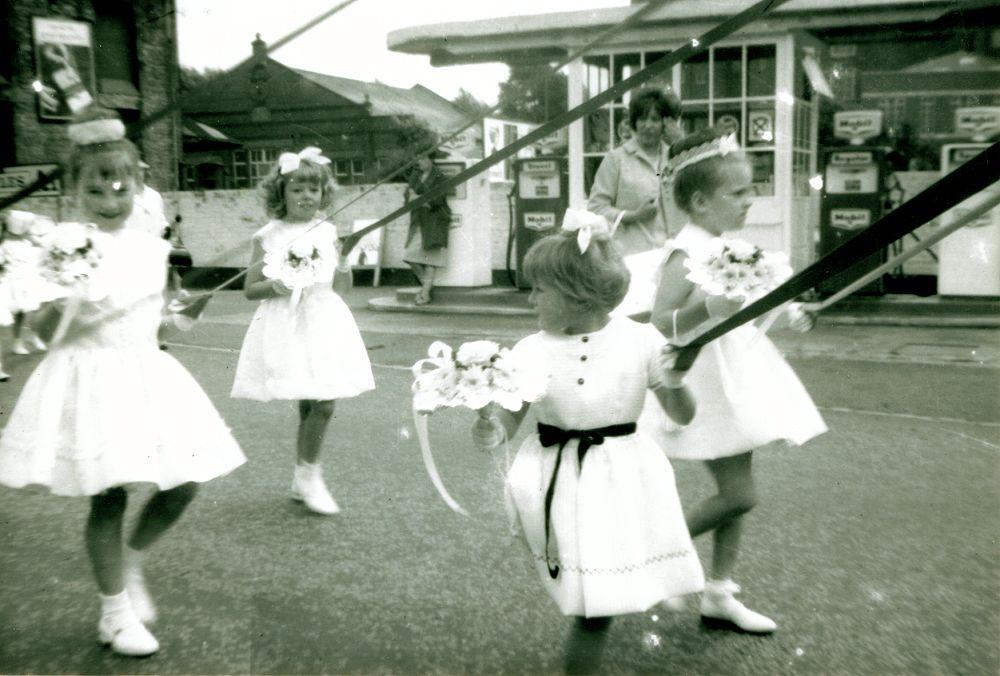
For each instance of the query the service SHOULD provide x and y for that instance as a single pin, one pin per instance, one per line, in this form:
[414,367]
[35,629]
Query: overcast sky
[217,34]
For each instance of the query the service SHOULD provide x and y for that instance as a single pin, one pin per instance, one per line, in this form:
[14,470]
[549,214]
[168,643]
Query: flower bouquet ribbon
[481,375]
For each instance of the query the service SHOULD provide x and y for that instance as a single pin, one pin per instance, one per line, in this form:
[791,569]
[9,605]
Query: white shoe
[721,610]
[126,635]
[37,344]
[308,487]
[18,347]
[135,585]
[675,604]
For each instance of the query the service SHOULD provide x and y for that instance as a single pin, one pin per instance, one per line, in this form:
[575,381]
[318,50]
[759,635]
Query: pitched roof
[955,62]
[383,99]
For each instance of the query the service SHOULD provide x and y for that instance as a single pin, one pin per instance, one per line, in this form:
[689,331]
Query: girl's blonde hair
[113,159]
[272,187]
[596,279]
[704,176]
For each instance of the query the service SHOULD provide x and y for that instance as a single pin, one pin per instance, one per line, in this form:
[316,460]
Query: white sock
[116,603]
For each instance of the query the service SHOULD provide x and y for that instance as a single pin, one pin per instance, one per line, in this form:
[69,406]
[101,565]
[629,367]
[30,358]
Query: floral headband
[719,146]
[585,224]
[96,131]
[289,162]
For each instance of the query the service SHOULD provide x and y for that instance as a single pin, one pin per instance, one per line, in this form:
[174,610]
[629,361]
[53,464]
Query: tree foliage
[470,106]
[533,93]
[190,78]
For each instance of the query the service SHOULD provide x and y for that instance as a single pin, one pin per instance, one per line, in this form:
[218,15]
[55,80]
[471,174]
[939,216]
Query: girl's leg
[723,514]
[103,536]
[4,376]
[585,646]
[308,485]
[158,515]
[417,270]
[19,346]
[119,626]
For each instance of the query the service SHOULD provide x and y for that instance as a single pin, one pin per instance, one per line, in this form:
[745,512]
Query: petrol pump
[542,194]
[853,195]
[970,257]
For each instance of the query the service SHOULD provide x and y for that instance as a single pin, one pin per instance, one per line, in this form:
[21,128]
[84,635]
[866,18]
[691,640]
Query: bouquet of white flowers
[71,257]
[308,260]
[481,375]
[736,269]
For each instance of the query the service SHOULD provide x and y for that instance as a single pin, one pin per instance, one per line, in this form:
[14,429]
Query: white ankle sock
[116,603]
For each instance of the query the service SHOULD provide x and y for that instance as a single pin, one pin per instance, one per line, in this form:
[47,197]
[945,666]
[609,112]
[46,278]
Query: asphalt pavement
[874,546]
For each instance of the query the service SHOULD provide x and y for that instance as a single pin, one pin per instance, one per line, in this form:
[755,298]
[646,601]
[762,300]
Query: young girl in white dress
[595,499]
[106,409]
[302,345]
[747,394]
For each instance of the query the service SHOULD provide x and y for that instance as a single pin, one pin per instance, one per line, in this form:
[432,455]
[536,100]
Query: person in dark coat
[427,242]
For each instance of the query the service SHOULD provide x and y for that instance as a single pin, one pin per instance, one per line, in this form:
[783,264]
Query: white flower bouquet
[736,269]
[71,257]
[23,288]
[481,375]
[305,262]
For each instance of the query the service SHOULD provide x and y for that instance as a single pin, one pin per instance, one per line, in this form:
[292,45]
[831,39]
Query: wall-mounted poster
[64,67]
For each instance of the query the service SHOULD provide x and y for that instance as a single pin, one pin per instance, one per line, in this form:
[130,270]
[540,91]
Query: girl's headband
[96,131]
[720,146]
[289,162]
[585,224]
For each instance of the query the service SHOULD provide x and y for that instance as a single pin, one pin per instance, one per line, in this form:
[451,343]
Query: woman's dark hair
[665,103]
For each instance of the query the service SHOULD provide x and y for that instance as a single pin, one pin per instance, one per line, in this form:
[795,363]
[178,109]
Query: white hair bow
[289,162]
[585,224]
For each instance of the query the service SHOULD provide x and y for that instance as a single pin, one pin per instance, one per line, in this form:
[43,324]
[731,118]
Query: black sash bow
[549,435]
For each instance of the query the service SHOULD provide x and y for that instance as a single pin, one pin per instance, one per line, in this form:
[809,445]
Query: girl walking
[595,498]
[748,396]
[302,343]
[106,409]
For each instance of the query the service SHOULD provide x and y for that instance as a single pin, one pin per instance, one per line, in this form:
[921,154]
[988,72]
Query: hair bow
[585,224]
[289,162]
[96,131]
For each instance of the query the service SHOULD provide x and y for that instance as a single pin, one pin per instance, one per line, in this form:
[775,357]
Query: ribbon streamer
[420,425]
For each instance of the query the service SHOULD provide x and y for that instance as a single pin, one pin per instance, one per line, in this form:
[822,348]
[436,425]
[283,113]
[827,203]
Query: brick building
[364,127]
[127,55]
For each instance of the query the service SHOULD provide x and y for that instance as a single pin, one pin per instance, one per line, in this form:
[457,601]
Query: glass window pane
[694,77]
[590,165]
[761,62]
[763,172]
[729,115]
[358,167]
[694,117]
[664,80]
[597,131]
[760,123]
[625,66]
[596,75]
[622,126]
[728,73]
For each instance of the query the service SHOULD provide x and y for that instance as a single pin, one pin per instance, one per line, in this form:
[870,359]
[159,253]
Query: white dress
[308,350]
[107,407]
[617,532]
[747,394]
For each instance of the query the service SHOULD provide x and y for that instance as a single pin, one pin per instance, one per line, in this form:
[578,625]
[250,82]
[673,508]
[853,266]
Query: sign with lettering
[64,62]
[851,159]
[857,125]
[539,221]
[13,179]
[850,219]
[851,180]
[979,123]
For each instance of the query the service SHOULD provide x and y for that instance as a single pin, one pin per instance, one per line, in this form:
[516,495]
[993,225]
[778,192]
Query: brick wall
[44,141]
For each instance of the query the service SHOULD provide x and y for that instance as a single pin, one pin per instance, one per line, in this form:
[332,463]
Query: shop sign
[857,125]
[979,122]
[851,159]
[850,219]
[539,221]
[761,125]
[64,67]
[14,179]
